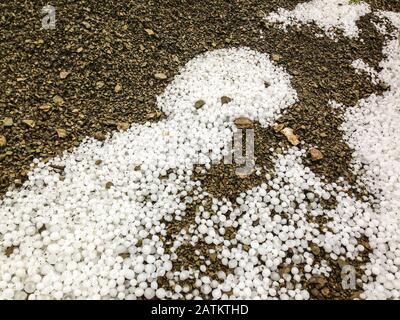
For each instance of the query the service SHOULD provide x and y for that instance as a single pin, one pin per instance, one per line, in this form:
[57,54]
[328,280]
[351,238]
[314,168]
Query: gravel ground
[96,70]
[104,64]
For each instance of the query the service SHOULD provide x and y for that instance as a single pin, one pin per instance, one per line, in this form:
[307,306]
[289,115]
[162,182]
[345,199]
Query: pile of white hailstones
[98,232]
[372,130]
[69,233]
[326,14]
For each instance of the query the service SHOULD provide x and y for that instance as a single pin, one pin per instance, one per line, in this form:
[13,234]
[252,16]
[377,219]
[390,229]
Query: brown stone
[160,76]
[243,123]
[316,154]
[58,100]
[109,184]
[3,141]
[8,122]
[244,175]
[150,32]
[29,122]
[117,88]
[315,249]
[325,292]
[45,107]
[199,104]
[320,281]
[276,57]
[123,126]
[64,74]
[100,136]
[290,136]
[153,115]
[99,84]
[278,127]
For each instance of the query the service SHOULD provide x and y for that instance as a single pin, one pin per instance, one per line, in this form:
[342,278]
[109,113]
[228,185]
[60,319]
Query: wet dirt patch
[389,5]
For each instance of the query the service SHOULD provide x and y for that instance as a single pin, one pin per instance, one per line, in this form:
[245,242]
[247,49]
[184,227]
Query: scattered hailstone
[361,66]
[327,14]
[393,17]
[336,105]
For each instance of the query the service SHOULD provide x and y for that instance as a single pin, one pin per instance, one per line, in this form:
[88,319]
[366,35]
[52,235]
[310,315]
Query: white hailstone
[138,268]
[262,192]
[160,293]
[255,245]
[299,233]
[184,275]
[275,276]
[376,270]
[272,292]
[295,270]
[138,292]
[224,209]
[150,259]
[307,268]
[297,259]
[283,236]
[246,293]
[167,266]
[129,274]
[203,229]
[29,287]
[8,293]
[310,196]
[20,273]
[6,277]
[149,293]
[275,201]
[284,296]
[216,294]
[206,289]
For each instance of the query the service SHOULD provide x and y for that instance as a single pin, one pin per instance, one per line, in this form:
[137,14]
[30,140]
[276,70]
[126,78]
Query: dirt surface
[96,72]
[96,69]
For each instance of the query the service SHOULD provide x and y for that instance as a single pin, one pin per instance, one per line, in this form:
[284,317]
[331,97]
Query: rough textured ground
[390,5]
[95,73]
[101,47]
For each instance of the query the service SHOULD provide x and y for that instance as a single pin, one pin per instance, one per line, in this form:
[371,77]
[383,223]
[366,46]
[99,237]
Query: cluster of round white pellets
[97,230]
[393,17]
[372,130]
[70,234]
[327,14]
[272,220]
